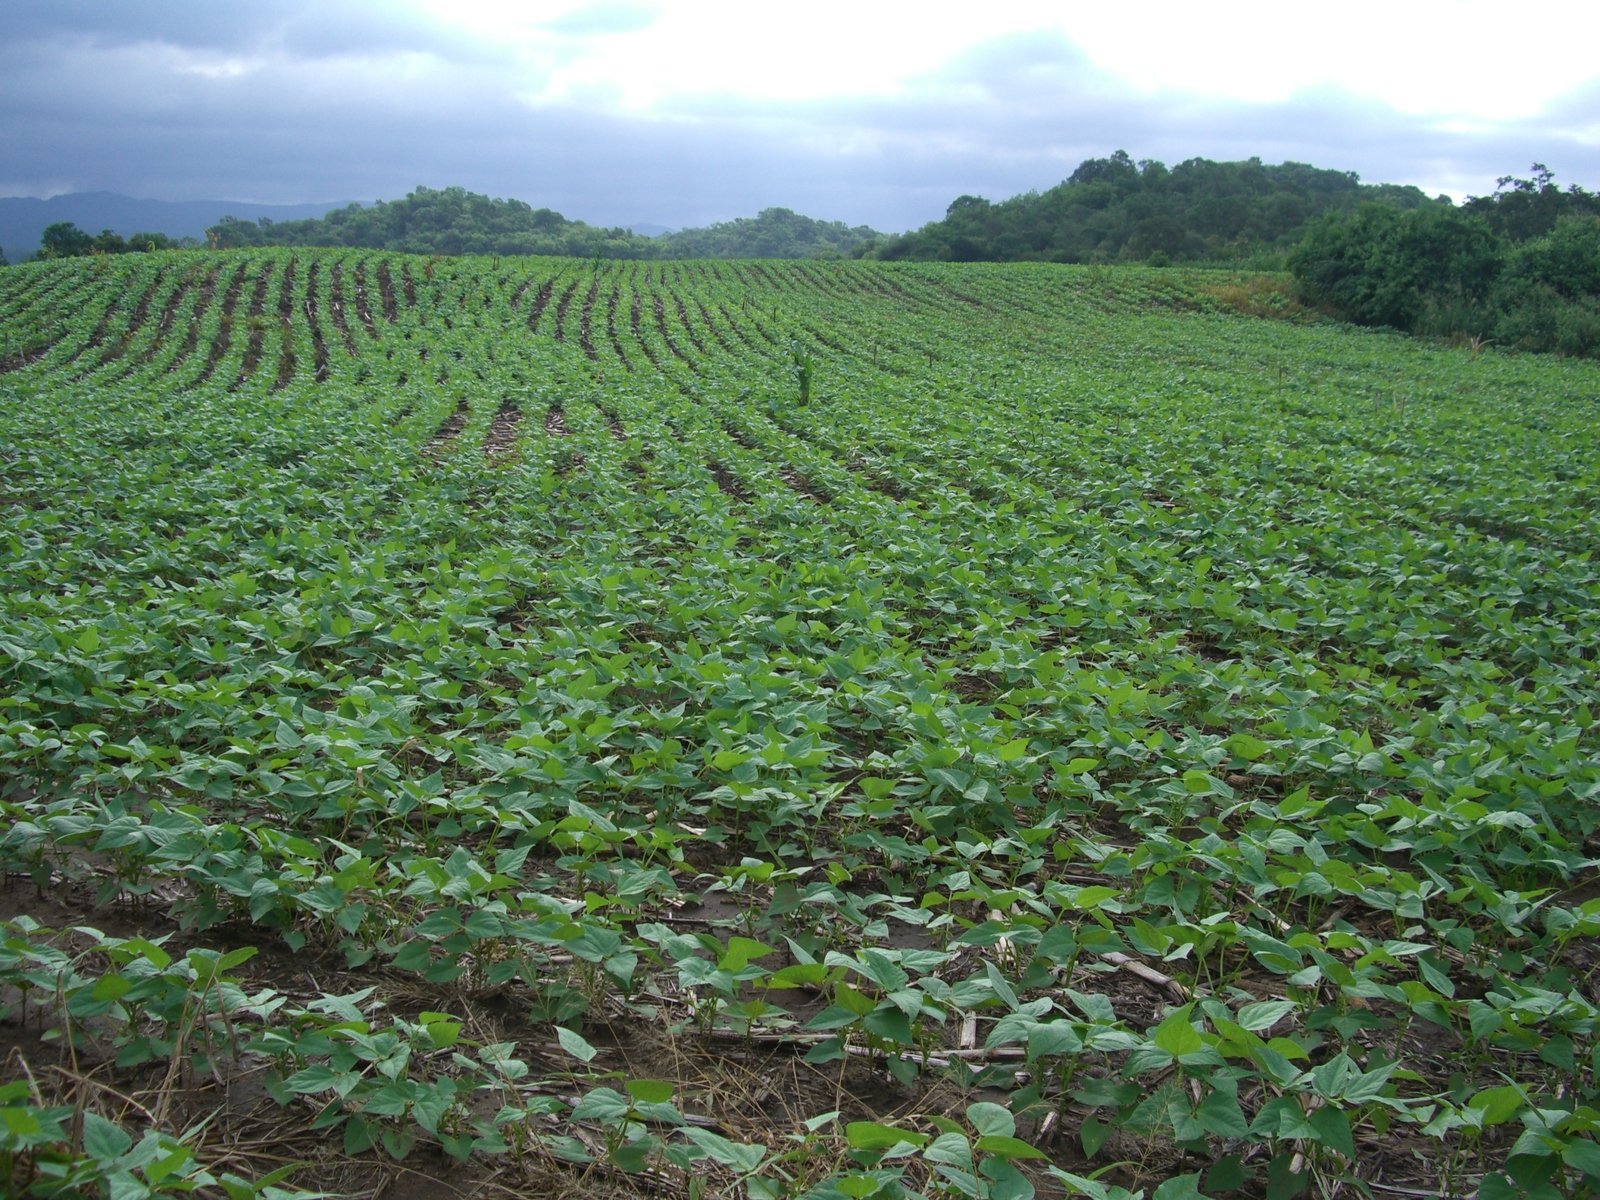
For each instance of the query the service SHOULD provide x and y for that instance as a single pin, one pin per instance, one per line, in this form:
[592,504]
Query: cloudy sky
[694,111]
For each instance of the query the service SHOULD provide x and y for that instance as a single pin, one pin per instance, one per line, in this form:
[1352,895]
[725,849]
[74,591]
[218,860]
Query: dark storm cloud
[324,101]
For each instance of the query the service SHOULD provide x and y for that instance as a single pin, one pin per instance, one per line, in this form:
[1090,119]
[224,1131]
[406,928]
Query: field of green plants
[541,727]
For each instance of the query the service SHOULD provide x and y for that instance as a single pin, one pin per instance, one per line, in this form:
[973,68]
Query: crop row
[1177,725]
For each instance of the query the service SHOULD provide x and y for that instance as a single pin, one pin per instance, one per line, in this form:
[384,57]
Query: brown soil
[803,485]
[391,313]
[635,320]
[169,314]
[501,439]
[336,307]
[555,423]
[716,333]
[660,309]
[611,327]
[738,332]
[688,328]
[141,313]
[18,359]
[258,329]
[584,319]
[224,337]
[562,306]
[445,436]
[319,347]
[541,301]
[409,284]
[728,483]
[363,309]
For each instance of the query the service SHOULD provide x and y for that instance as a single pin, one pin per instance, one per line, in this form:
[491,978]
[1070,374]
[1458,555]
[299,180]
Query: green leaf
[1332,1128]
[575,1045]
[740,953]
[1176,1036]
[1583,1156]
[869,1135]
[1264,1014]
[1006,1147]
[991,1119]
[1180,1187]
[1093,1134]
[104,1141]
[650,1091]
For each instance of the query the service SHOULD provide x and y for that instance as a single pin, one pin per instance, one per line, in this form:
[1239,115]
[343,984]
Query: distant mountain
[23,219]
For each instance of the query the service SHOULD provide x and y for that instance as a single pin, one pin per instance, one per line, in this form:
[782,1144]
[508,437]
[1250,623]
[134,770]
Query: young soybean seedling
[802,368]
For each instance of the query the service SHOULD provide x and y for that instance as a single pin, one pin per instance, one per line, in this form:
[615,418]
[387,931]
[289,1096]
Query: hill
[1116,210]
[24,218]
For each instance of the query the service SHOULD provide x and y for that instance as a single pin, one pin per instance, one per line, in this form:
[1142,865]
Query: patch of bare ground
[319,347]
[336,308]
[169,312]
[611,327]
[541,301]
[659,308]
[286,355]
[224,335]
[801,484]
[19,359]
[363,307]
[258,329]
[562,305]
[391,311]
[716,333]
[585,321]
[874,479]
[636,321]
[444,436]
[141,313]
[555,422]
[727,482]
[98,337]
[409,284]
[738,330]
[501,439]
[688,326]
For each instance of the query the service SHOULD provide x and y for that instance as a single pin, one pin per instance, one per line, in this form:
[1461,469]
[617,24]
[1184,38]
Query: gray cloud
[351,101]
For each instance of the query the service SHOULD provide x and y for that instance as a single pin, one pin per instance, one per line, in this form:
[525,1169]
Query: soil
[728,482]
[391,313]
[258,329]
[447,433]
[501,439]
[220,343]
[611,327]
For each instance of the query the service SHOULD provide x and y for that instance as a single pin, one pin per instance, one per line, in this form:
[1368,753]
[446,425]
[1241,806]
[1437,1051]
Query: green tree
[64,240]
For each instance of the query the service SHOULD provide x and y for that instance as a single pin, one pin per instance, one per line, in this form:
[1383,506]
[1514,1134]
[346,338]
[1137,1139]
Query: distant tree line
[1520,268]
[1115,210]
[773,233]
[456,221]
[66,240]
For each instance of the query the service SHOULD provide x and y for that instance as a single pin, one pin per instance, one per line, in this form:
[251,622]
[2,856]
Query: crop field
[540,727]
